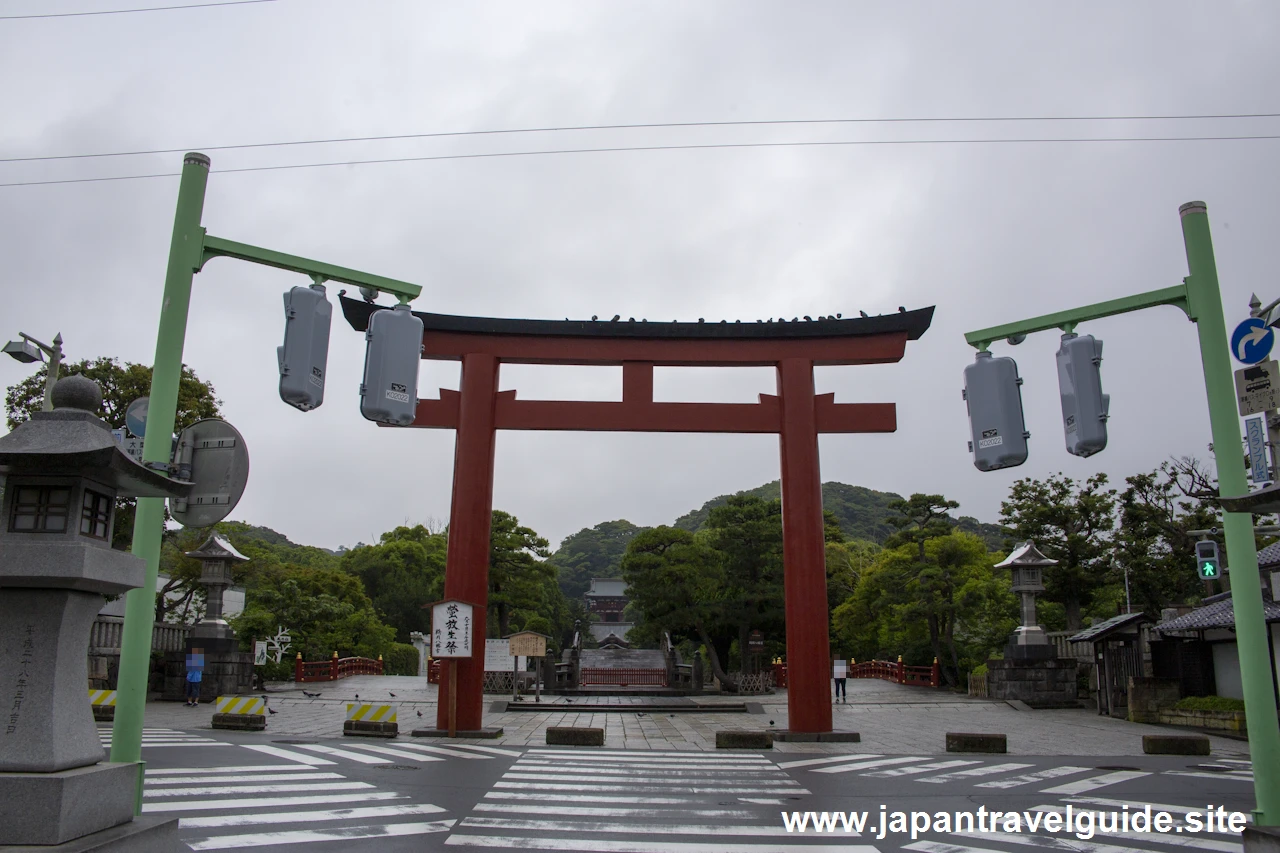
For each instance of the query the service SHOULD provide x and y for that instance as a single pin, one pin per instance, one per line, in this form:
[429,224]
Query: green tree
[400,574]
[517,579]
[120,387]
[592,552]
[746,531]
[1071,524]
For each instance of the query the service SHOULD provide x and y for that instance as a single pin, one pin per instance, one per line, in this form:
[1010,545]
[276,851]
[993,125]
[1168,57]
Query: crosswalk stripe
[674,789]
[808,762]
[863,765]
[624,828]
[989,770]
[923,768]
[1199,775]
[653,756]
[594,811]
[269,802]
[1191,839]
[1076,845]
[701,767]
[1136,805]
[440,750]
[287,754]
[213,790]
[308,816]
[1094,782]
[261,839]
[644,846]
[267,777]
[342,753]
[178,743]
[1235,761]
[945,847]
[587,798]
[495,750]
[574,777]
[1038,776]
[399,753]
[243,768]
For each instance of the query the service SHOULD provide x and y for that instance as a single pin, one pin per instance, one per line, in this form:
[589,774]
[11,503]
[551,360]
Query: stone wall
[1040,684]
[225,674]
[1149,696]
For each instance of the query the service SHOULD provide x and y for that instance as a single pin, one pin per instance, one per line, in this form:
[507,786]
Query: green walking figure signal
[1207,560]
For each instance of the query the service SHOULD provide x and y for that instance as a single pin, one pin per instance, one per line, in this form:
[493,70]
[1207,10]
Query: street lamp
[30,350]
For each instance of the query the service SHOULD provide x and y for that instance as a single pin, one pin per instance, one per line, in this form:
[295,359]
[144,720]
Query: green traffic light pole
[189,249]
[1201,299]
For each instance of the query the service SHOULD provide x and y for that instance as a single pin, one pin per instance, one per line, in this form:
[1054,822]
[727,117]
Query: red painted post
[333,667]
[902,671]
[935,677]
[380,665]
[297,668]
[803,552]
[466,574]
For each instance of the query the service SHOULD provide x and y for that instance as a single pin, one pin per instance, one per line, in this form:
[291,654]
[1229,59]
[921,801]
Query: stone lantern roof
[217,548]
[1026,554]
[72,441]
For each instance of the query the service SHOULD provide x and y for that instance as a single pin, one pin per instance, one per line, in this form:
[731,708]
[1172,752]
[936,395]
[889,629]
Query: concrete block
[50,808]
[970,742]
[368,728]
[1175,745]
[573,736]
[240,722]
[1261,839]
[744,740]
[146,834]
[104,713]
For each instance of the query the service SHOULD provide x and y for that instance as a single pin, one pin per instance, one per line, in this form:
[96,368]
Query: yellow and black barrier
[370,719]
[241,713]
[103,703]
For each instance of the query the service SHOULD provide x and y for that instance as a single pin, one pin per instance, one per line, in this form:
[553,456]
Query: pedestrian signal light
[1207,560]
[302,359]
[994,399]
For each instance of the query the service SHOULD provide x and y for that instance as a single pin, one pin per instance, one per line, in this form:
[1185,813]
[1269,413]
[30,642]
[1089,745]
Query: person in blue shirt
[195,673]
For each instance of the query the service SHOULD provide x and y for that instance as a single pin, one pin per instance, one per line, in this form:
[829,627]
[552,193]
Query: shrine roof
[914,323]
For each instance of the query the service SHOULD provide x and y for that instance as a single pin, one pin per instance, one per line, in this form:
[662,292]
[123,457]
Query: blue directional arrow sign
[1252,340]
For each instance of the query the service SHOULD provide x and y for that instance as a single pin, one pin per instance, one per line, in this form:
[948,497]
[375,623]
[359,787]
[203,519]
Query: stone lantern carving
[216,556]
[64,472]
[1029,641]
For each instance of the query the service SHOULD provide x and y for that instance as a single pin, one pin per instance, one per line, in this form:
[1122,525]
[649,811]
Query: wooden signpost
[529,644]
[451,638]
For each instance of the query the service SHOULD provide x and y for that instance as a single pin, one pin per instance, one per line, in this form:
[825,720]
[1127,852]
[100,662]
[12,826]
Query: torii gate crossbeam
[796,414]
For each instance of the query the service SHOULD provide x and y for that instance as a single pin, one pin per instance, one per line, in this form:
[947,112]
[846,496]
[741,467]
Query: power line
[656,148]
[648,126]
[129,11]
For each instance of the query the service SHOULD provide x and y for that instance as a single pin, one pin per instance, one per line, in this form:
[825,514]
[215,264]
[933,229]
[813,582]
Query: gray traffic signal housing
[993,395]
[302,359]
[1084,406]
[1207,563]
[389,393]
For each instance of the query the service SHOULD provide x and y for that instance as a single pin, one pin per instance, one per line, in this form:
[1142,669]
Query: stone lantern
[1027,564]
[216,556]
[64,472]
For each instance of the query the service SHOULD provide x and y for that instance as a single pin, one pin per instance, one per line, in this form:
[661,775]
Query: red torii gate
[795,413]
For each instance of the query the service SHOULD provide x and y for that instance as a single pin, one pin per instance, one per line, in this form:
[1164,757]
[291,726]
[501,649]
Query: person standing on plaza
[195,674]
[840,671]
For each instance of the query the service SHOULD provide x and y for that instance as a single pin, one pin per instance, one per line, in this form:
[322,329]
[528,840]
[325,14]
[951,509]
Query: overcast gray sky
[987,232]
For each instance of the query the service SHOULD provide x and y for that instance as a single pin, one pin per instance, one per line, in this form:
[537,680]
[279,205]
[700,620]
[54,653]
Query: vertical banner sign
[1255,432]
[451,638]
[260,653]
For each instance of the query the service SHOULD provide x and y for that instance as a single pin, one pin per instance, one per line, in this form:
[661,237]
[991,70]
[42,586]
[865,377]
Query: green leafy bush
[400,659]
[1208,703]
[980,669]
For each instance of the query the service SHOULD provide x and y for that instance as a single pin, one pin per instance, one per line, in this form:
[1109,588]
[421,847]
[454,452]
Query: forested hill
[863,513]
[596,552]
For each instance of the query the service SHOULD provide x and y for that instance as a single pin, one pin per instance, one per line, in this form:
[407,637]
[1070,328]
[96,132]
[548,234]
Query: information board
[497,657]
[451,630]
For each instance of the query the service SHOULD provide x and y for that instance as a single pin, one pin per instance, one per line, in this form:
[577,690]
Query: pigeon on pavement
[392,694]
[271,711]
[419,713]
[311,695]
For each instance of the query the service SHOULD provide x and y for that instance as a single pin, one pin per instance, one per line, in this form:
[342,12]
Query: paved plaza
[892,719]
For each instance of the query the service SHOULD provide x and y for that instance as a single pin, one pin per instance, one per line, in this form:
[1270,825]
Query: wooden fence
[624,677]
[978,686]
[334,668]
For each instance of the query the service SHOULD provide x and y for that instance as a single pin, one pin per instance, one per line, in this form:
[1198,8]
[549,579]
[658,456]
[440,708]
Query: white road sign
[451,630]
[497,656]
[1258,388]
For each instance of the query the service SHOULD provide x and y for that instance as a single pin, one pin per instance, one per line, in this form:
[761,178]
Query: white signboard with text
[451,630]
[497,656]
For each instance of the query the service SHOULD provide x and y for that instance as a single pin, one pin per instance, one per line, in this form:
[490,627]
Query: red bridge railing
[334,668]
[624,677]
[897,672]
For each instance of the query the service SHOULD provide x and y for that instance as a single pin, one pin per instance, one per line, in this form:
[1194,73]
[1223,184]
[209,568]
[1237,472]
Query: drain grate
[396,767]
[1114,767]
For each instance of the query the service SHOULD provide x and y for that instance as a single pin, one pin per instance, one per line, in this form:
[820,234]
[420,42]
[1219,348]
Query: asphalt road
[234,790]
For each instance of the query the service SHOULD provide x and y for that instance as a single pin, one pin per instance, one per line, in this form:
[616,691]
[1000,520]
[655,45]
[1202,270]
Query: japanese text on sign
[451,630]
[24,673]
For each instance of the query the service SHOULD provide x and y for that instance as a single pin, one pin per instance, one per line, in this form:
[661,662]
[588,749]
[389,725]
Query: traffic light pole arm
[1067,320]
[215,247]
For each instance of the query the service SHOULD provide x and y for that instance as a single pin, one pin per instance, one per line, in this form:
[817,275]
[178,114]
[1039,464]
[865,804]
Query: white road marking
[624,828]
[989,770]
[627,767]
[923,768]
[268,802]
[1092,783]
[287,754]
[693,757]
[1038,776]
[863,765]
[307,816]
[1239,777]
[342,753]
[243,768]
[211,790]
[587,798]
[1135,805]
[807,762]
[674,789]
[265,777]
[1075,845]
[440,750]
[399,753]
[642,846]
[1191,839]
[946,847]
[261,839]
[495,750]
[593,811]
[571,777]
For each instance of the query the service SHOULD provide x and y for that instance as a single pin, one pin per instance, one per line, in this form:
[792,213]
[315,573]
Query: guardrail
[334,668]
[898,673]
